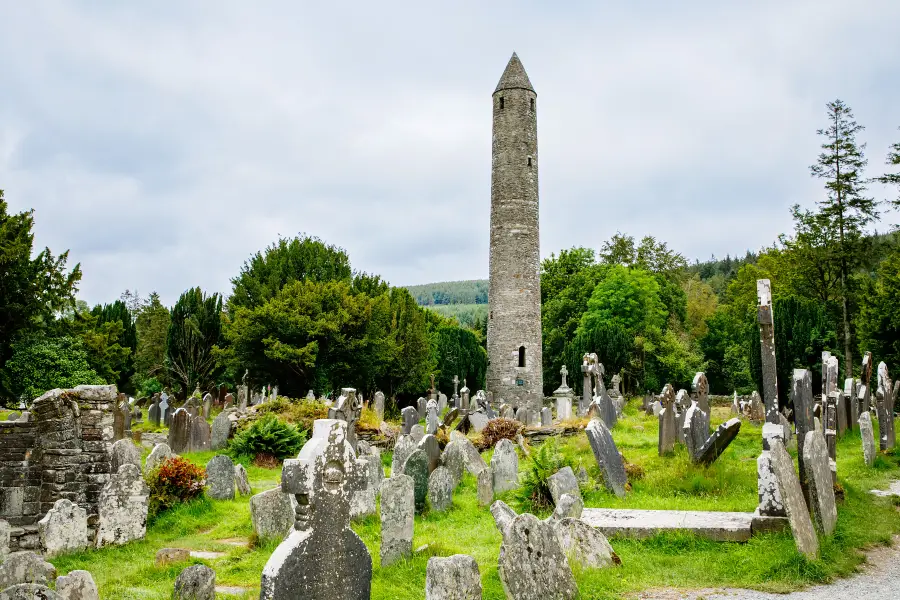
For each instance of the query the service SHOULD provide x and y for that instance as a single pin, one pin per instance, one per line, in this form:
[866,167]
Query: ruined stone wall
[514,292]
[63,452]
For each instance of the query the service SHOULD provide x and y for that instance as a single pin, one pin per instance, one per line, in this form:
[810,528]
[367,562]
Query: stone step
[716,526]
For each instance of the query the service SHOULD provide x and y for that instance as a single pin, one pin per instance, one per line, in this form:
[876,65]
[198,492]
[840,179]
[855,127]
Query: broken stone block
[794,503]
[195,583]
[563,482]
[716,444]
[77,585]
[453,578]
[584,544]
[272,514]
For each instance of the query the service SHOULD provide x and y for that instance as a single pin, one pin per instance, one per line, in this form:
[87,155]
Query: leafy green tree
[879,315]
[609,340]
[32,290]
[893,160]
[40,363]
[118,312]
[152,326]
[295,259]
[846,209]
[100,340]
[701,305]
[414,358]
[194,332]
[629,297]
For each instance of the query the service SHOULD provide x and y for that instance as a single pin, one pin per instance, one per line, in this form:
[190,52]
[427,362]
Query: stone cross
[322,557]
[455,387]
[587,395]
[432,393]
[347,408]
[864,391]
[667,424]
[564,372]
[700,390]
[767,348]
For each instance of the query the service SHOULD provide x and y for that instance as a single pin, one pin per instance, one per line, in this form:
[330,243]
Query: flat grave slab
[640,524]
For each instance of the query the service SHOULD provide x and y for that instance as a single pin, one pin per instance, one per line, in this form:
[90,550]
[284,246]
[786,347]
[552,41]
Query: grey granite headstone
[522,415]
[563,482]
[122,507]
[794,503]
[431,417]
[584,545]
[546,417]
[180,432]
[153,413]
[668,433]
[25,567]
[532,565]
[363,502]
[200,434]
[402,449]
[195,583]
[440,489]
[766,320]
[379,405]
[207,405]
[410,417]
[416,466]
[821,488]
[221,431]
[485,487]
[804,421]
[397,518]
[716,444]
[695,430]
[124,452]
[867,433]
[505,467]
[272,514]
[770,504]
[608,458]
[220,478]
[453,578]
[417,433]
[454,458]
[478,420]
[241,480]
[77,585]
[63,529]
[700,391]
[432,448]
[159,453]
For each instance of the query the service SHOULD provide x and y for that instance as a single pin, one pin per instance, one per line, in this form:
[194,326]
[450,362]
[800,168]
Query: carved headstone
[123,506]
[821,488]
[770,504]
[397,518]
[220,478]
[667,421]
[532,564]
[453,578]
[180,432]
[766,320]
[505,467]
[794,503]
[608,458]
[221,431]
[866,431]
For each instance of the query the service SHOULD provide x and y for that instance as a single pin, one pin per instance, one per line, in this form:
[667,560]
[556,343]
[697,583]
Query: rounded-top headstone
[124,452]
[77,585]
[220,478]
[416,466]
[505,467]
[440,489]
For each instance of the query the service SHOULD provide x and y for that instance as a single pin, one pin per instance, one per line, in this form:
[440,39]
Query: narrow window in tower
[532,105]
[529,161]
[521,356]
[501,102]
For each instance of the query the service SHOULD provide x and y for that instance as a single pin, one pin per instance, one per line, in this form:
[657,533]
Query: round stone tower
[514,371]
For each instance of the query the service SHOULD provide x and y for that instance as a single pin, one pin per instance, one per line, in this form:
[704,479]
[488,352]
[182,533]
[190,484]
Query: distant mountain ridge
[471,291]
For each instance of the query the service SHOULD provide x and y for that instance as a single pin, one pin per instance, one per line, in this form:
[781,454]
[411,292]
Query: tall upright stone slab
[867,433]
[667,421]
[695,430]
[587,393]
[221,431]
[124,502]
[379,405]
[220,478]
[416,466]
[885,402]
[766,320]
[804,421]
[851,404]
[63,529]
[821,488]
[322,557]
[200,435]
[794,502]
[700,392]
[864,390]
[608,458]
[180,432]
[505,467]
[397,518]
[153,413]
[532,564]
[770,503]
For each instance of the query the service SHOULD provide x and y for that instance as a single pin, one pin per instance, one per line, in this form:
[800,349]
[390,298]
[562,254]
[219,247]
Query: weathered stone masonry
[62,452]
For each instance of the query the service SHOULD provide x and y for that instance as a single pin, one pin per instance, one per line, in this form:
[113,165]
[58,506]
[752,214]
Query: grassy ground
[768,562]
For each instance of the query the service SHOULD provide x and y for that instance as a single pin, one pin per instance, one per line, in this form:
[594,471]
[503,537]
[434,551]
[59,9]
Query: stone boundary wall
[62,452]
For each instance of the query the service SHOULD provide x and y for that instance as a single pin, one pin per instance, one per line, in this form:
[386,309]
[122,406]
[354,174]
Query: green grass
[770,562]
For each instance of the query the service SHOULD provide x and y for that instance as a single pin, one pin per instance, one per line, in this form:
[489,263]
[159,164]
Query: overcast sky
[165,142]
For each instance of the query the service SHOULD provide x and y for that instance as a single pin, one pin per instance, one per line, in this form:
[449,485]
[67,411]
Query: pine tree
[845,209]
[893,160]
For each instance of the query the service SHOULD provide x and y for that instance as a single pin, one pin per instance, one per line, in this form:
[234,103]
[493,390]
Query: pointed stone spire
[514,76]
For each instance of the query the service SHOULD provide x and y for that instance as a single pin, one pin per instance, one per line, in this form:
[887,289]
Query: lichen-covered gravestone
[397,518]
[454,458]
[220,478]
[322,557]
[199,434]
[794,503]
[563,482]
[716,444]
[25,567]
[485,487]
[567,507]
[159,453]
[180,431]
[241,480]
[440,489]
[77,585]
[584,544]
[667,421]
[221,430]
[532,564]
[867,432]
[821,488]
[432,449]
[770,504]
[63,529]
[124,452]
[272,514]
[410,418]
[123,506]
[608,458]
[402,449]
[452,578]
[416,466]
[695,429]
[29,591]
[195,583]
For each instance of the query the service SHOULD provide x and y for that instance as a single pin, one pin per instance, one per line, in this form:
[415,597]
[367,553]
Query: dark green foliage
[879,315]
[610,341]
[460,353]
[195,330]
[473,291]
[893,160]
[101,341]
[534,494]
[152,327]
[32,290]
[296,259]
[174,481]
[118,312]
[802,332]
[268,436]
[470,316]
[41,363]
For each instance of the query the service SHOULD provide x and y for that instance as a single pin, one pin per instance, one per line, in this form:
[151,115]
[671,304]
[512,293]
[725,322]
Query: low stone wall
[20,482]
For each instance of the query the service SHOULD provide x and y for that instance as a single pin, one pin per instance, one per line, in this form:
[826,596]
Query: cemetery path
[880,578]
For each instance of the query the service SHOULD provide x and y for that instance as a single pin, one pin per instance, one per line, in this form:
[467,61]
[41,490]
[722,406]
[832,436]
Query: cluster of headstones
[24,574]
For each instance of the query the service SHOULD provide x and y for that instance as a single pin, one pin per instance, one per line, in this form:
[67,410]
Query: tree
[152,326]
[893,160]
[118,312]
[459,353]
[32,290]
[39,363]
[879,315]
[701,305]
[296,259]
[194,333]
[845,207]
[414,358]
[629,297]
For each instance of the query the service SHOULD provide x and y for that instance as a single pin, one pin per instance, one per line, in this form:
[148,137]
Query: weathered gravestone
[821,488]
[29,591]
[416,466]
[25,567]
[864,389]
[794,503]
[716,444]
[567,507]
[397,518]
[546,417]
[485,487]
[180,432]
[885,402]
[478,421]
[700,391]
[851,403]
[153,413]
[432,421]
[532,564]
[682,404]
[756,408]
[272,514]
[453,578]
[563,482]
[195,583]
[866,431]
[220,478]
[221,431]
[522,415]
[124,452]
[63,529]
[379,405]
[766,320]
[362,502]
[199,434]
[695,429]
[432,448]
[770,504]
[123,506]
[322,557]
[410,418]
[505,467]
[583,544]
[667,421]
[207,405]
[77,585]
[241,480]
[440,489]
[454,458]
[159,453]
[165,412]
[402,449]
[608,458]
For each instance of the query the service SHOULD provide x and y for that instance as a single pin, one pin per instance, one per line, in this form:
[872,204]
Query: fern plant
[268,437]
[534,494]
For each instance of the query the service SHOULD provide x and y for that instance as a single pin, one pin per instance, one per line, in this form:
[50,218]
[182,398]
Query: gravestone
[851,402]
[379,405]
[766,319]
[432,448]
[416,466]
[200,434]
[322,557]
[453,578]
[77,585]
[716,444]
[195,583]
[608,458]
[402,449]
[272,514]
[124,452]
[546,417]
[29,591]
[153,413]
[421,405]
[735,405]
[220,478]
[884,397]
[821,488]
[241,480]
[700,390]
[397,518]
[867,434]
[485,487]
[667,421]
[410,418]
[563,408]
[568,507]
[505,467]
[431,417]
[180,432]
[695,429]
[159,453]
[522,415]
[794,504]
[229,401]
[478,421]
[454,458]
[440,489]
[503,516]
[757,408]
[804,421]
[63,529]
[563,482]
[584,545]
[207,405]
[770,504]
[165,414]
[682,404]
[864,390]
[123,505]
[363,501]
[532,565]
[25,567]
[221,431]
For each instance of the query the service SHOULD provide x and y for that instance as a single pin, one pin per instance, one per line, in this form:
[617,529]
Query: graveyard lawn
[768,562]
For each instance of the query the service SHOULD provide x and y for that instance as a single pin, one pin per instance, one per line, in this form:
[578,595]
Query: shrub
[267,438]
[496,430]
[175,480]
[534,493]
